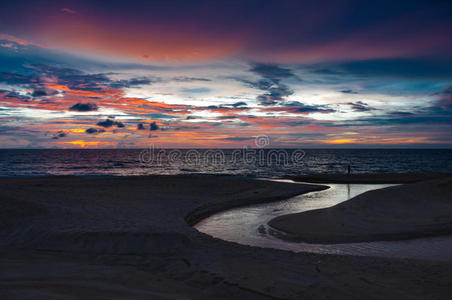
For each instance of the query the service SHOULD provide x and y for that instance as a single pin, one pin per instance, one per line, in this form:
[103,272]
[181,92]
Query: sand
[116,238]
[394,213]
[376,178]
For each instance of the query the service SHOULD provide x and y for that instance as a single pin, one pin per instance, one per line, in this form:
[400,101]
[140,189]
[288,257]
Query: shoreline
[408,211]
[122,237]
[206,211]
[297,238]
[396,178]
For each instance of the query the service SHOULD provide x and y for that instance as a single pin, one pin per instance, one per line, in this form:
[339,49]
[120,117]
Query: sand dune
[394,213]
[116,238]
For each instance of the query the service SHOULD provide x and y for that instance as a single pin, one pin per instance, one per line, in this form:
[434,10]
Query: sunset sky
[108,74]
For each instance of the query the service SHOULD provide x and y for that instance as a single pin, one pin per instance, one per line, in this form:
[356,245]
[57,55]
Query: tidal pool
[248,225]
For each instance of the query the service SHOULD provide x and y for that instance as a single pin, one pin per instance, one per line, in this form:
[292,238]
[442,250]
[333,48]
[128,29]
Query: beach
[371,177]
[203,150]
[115,237]
[394,213]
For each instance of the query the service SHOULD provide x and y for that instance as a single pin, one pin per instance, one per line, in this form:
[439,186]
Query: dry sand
[393,213]
[116,238]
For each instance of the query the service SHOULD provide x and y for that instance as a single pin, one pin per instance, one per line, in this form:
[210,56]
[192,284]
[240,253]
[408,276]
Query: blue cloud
[196,90]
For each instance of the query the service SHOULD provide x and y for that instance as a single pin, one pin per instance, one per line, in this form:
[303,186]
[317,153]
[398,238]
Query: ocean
[257,163]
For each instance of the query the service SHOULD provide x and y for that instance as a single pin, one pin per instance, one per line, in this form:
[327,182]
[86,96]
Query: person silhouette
[348,169]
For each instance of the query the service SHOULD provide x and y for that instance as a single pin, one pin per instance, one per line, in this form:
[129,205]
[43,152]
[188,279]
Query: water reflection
[247,225]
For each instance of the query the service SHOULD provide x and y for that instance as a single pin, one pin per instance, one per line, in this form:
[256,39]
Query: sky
[218,74]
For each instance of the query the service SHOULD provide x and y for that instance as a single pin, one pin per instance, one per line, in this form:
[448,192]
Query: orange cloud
[19,41]
[87,144]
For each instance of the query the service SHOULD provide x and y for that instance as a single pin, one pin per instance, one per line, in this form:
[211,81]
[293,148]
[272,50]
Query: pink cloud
[7,37]
[69,11]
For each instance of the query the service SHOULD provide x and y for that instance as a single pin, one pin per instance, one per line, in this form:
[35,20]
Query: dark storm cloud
[37,74]
[92,130]
[119,124]
[32,81]
[59,134]
[400,113]
[275,94]
[14,94]
[14,79]
[224,108]
[73,78]
[109,123]
[349,92]
[84,107]
[262,84]
[38,93]
[189,79]
[293,104]
[360,106]
[312,109]
[436,114]
[43,93]
[153,126]
[238,104]
[160,116]
[124,83]
[298,107]
[272,74]
[226,117]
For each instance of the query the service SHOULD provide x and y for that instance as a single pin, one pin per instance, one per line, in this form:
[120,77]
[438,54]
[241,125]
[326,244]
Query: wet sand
[400,212]
[372,178]
[112,238]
